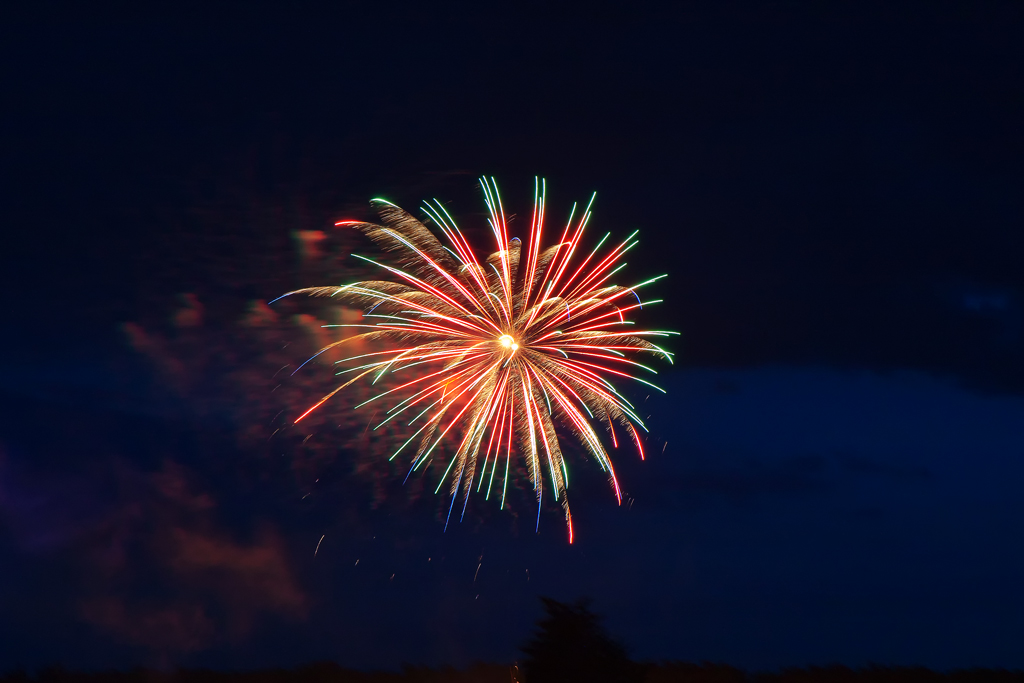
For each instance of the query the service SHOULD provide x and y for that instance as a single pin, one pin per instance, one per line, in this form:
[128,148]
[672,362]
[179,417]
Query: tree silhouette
[570,644]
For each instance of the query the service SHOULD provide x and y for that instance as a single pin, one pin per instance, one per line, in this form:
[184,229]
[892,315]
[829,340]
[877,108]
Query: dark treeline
[663,672]
[569,645]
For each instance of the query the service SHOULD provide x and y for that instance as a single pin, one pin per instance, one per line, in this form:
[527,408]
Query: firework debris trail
[491,355]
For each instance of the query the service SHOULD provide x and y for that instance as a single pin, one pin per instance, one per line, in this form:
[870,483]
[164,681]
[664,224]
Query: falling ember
[492,355]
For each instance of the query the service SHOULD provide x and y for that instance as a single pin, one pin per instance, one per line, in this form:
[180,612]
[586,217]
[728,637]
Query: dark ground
[665,672]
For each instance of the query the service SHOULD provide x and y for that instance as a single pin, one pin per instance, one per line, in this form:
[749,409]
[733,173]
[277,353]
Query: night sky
[835,190]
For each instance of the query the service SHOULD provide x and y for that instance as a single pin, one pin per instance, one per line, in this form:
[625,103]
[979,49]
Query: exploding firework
[494,358]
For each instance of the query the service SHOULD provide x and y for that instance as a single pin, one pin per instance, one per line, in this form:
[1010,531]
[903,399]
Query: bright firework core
[508,342]
[443,308]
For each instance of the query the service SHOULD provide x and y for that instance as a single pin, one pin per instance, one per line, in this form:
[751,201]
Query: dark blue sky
[835,193]
[796,516]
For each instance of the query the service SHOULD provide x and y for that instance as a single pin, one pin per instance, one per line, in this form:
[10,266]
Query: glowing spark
[508,342]
[499,355]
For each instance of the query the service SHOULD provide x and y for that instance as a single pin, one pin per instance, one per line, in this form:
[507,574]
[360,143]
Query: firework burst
[494,358]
